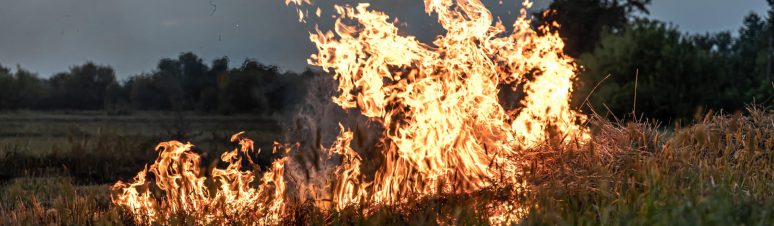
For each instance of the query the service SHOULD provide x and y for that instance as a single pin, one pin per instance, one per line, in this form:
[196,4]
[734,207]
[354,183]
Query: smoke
[314,126]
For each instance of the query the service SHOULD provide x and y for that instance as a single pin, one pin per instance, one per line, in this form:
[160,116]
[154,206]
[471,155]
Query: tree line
[631,67]
[676,76]
[182,84]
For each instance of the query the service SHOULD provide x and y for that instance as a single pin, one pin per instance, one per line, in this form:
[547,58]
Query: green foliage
[22,89]
[675,75]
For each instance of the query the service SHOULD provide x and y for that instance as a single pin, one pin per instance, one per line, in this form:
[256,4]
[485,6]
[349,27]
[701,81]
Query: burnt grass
[717,171]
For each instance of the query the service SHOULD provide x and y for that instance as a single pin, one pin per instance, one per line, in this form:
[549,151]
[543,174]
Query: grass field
[57,169]
[65,158]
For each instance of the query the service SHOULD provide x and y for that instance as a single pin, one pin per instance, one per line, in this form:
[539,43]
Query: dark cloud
[49,36]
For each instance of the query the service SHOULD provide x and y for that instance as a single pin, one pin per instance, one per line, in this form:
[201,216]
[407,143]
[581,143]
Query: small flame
[183,190]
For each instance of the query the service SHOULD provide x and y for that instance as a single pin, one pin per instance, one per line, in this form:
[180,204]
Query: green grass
[719,171]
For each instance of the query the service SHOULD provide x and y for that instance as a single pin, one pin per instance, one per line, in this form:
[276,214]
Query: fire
[184,191]
[445,129]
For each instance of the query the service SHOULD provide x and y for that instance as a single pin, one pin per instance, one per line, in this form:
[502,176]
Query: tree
[582,21]
[210,95]
[677,74]
[82,88]
[147,92]
[750,60]
[244,88]
[180,84]
[194,77]
[6,88]
[20,90]
[30,90]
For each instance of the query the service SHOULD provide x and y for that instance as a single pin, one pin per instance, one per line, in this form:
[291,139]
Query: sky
[49,36]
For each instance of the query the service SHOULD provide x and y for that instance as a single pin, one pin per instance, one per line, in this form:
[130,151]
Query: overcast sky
[48,36]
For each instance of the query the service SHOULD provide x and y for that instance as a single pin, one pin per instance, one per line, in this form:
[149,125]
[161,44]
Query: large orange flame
[445,128]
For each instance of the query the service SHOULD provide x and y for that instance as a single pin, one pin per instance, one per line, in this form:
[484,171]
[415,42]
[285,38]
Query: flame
[445,129]
[184,191]
[301,14]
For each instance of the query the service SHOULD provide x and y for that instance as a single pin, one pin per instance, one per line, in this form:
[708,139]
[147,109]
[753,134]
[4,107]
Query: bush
[675,75]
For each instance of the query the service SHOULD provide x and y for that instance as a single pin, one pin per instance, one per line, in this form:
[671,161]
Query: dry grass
[716,172]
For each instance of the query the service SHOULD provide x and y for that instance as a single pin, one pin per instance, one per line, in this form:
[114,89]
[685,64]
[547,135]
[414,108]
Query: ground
[58,168]
[45,153]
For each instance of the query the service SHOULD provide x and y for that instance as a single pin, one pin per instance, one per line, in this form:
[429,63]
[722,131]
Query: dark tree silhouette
[582,21]
[83,87]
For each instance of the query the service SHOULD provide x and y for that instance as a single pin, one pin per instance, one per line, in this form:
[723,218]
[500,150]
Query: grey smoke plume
[314,127]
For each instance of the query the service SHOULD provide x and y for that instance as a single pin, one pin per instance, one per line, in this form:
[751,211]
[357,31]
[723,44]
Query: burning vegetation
[183,192]
[473,128]
[444,137]
[444,132]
